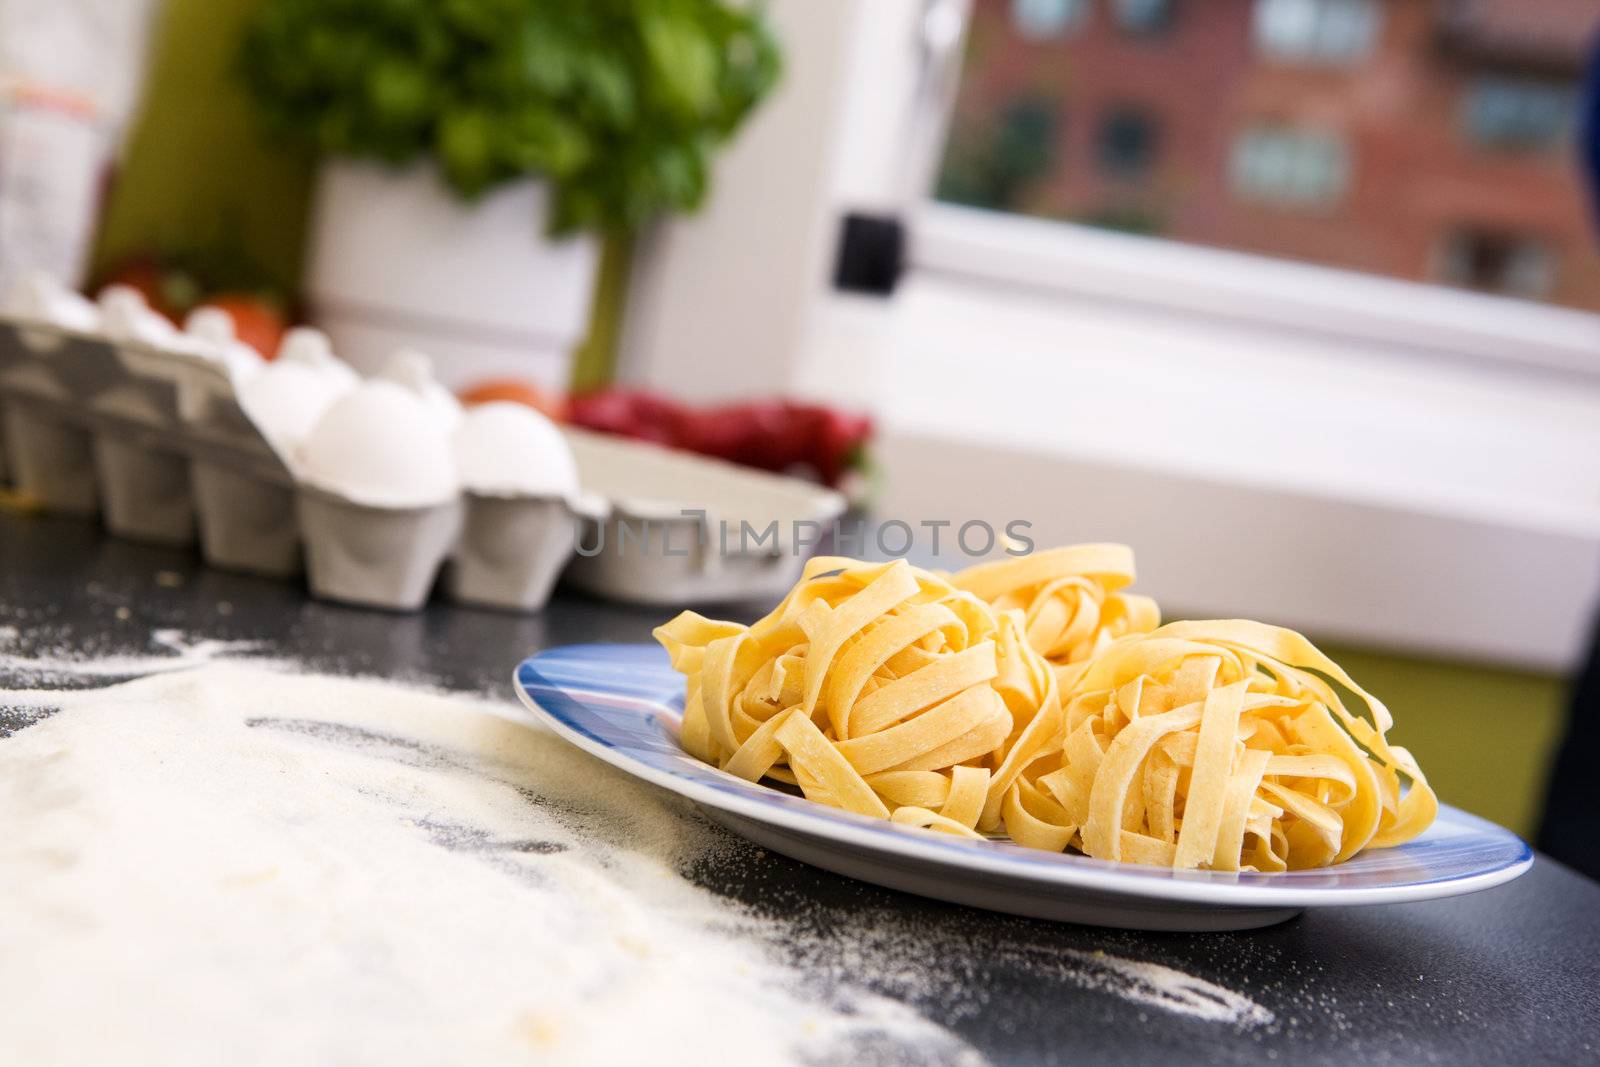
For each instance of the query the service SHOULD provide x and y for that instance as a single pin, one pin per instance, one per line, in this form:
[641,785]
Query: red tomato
[256,322]
[518,391]
[145,276]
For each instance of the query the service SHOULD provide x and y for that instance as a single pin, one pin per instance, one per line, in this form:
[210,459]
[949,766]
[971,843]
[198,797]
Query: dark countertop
[1510,973]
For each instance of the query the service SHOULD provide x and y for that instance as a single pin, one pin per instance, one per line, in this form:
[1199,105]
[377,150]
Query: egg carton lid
[647,481]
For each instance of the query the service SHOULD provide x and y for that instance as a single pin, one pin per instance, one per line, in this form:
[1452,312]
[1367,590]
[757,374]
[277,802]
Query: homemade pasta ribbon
[1223,744]
[1032,698]
[1070,597]
[878,688]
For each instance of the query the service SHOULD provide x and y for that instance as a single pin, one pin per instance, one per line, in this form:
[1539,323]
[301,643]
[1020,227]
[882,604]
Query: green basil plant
[619,104]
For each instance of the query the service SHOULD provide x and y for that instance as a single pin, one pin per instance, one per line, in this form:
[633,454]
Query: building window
[1044,19]
[1317,31]
[1519,114]
[1128,141]
[1497,262]
[1464,87]
[1146,18]
[1294,168]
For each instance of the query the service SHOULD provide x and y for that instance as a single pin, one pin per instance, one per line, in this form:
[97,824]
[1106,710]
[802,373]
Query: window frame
[1406,318]
[1080,12]
[1313,50]
[1458,243]
[1162,24]
[1301,143]
[1073,262]
[1519,90]
[1112,124]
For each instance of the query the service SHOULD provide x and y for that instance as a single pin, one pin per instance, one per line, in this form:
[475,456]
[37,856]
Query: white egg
[212,325]
[381,444]
[415,370]
[508,449]
[209,333]
[294,391]
[38,297]
[125,316]
[310,347]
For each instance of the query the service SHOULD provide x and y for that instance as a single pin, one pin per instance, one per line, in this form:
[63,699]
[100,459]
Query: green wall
[197,173]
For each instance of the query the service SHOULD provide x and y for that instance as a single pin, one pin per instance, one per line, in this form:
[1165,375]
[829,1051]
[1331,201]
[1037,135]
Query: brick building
[1423,139]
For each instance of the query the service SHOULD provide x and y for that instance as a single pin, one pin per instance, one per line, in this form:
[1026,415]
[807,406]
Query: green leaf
[465,153]
[620,104]
[683,65]
[483,21]
[541,139]
[608,89]
[399,92]
[543,58]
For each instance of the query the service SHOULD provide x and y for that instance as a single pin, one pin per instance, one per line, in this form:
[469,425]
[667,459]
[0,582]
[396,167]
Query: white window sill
[1161,277]
[1375,480]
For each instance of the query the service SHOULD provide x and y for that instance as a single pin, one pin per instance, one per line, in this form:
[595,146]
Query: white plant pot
[398,260]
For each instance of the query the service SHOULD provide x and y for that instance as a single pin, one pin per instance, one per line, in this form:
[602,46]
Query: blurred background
[1300,298]
[1416,140]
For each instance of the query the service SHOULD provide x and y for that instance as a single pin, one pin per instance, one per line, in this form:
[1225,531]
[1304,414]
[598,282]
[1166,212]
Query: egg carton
[97,428]
[156,443]
[49,439]
[681,528]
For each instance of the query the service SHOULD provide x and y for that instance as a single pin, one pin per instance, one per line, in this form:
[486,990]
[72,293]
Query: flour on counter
[1167,988]
[241,865]
[895,951]
[245,864]
[171,650]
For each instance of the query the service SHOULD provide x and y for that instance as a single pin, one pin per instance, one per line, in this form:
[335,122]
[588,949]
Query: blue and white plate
[624,704]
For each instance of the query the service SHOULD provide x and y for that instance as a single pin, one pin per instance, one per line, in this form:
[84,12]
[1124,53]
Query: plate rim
[841,828]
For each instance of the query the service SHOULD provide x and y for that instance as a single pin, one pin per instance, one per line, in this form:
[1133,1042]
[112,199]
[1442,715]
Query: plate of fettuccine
[1026,736]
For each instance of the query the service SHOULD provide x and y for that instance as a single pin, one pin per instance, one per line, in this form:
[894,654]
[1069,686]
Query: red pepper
[772,435]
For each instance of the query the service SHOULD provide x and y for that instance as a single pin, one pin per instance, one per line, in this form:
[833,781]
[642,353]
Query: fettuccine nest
[1034,698]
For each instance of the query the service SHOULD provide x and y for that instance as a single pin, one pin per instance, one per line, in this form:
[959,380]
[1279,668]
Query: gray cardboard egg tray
[154,442]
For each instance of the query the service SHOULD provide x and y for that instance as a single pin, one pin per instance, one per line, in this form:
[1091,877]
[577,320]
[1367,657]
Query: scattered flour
[240,863]
[894,950]
[173,651]
[1159,986]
